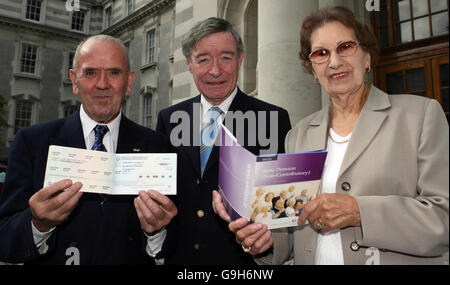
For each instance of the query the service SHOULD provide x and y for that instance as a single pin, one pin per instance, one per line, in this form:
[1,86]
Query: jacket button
[354,246]
[200,213]
[346,186]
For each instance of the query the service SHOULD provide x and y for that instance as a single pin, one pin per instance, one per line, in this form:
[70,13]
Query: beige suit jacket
[396,165]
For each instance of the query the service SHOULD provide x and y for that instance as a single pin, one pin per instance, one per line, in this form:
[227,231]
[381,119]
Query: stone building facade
[38,39]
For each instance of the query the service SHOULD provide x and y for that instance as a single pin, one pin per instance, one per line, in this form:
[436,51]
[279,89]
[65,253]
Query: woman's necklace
[342,142]
[363,101]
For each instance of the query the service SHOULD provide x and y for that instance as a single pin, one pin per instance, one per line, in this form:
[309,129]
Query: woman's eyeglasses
[344,49]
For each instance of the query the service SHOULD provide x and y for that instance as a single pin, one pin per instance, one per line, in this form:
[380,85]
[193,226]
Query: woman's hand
[331,211]
[254,238]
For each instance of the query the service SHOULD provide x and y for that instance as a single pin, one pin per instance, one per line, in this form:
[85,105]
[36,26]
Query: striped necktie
[100,131]
[208,136]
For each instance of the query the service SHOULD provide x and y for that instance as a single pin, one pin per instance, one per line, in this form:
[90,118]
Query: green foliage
[3,109]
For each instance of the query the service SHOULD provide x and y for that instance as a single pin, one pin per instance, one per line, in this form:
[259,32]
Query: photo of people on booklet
[281,204]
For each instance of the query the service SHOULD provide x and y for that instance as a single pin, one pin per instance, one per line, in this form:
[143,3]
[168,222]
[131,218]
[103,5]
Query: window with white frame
[23,115]
[108,16]
[69,64]
[33,10]
[28,59]
[150,47]
[69,109]
[129,7]
[79,20]
[147,109]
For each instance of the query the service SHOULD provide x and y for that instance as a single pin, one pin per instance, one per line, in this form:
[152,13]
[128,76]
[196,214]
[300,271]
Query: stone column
[281,79]
[323,4]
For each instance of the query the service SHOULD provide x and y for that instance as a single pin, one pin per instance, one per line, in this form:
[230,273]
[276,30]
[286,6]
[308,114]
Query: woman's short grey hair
[205,28]
[99,38]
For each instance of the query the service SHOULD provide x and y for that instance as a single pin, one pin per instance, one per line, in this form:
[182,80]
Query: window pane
[70,63]
[421,28]
[23,115]
[420,8]
[147,110]
[28,59]
[438,5]
[444,75]
[382,16]
[440,24]
[78,20]
[33,11]
[151,46]
[108,16]
[445,100]
[415,80]
[394,83]
[402,10]
[404,33]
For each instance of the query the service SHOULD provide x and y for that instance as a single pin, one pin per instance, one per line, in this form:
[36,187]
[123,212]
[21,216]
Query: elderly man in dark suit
[58,224]
[214,53]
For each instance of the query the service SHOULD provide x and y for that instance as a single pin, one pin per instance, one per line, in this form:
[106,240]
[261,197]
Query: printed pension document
[113,173]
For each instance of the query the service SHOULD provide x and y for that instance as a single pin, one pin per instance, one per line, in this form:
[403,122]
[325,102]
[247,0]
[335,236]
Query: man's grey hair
[99,38]
[205,28]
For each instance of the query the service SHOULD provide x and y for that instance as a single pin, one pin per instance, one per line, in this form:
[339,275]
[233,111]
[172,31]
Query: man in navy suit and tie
[214,53]
[59,224]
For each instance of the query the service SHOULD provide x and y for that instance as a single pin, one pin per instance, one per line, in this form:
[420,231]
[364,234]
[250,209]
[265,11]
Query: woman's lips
[338,75]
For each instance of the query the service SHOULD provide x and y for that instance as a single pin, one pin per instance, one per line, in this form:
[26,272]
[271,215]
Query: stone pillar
[281,79]
[323,4]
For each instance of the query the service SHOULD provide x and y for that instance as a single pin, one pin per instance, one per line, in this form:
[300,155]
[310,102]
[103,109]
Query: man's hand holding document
[113,173]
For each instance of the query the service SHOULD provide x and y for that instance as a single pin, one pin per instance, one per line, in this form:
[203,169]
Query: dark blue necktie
[100,131]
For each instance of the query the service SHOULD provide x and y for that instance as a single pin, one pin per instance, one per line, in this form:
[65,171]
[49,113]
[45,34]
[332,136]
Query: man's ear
[241,58]
[188,63]
[131,77]
[73,78]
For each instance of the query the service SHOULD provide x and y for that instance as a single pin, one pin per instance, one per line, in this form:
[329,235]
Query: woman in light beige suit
[385,187]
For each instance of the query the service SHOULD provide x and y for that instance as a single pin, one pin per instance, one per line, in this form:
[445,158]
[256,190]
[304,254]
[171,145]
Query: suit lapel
[237,104]
[193,151]
[317,133]
[372,116]
[71,133]
[128,140]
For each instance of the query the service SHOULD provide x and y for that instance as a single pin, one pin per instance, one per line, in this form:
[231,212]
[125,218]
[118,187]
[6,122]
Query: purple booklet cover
[269,189]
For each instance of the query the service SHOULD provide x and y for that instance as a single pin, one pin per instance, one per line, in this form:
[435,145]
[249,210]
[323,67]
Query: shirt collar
[224,106]
[88,125]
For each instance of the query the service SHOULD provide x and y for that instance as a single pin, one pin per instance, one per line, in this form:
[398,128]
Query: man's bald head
[79,50]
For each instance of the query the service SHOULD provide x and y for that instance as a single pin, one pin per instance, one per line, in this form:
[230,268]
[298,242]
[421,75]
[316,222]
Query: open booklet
[269,189]
[112,173]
